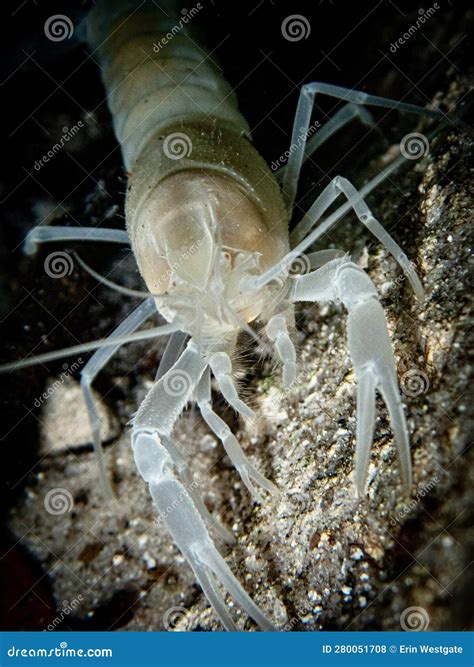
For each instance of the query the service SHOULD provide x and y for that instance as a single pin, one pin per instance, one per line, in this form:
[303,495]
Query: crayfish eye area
[192,224]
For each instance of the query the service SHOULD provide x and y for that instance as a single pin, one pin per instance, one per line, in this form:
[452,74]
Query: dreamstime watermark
[300,140]
[174,268]
[177,145]
[67,134]
[414,619]
[58,264]
[177,382]
[66,609]
[58,501]
[295,28]
[183,495]
[301,612]
[172,616]
[406,271]
[68,370]
[58,27]
[414,146]
[423,17]
[296,266]
[414,382]
[413,503]
[186,16]
[293,265]
[61,651]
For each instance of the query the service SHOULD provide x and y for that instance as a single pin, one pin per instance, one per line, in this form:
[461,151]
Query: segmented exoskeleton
[208,225]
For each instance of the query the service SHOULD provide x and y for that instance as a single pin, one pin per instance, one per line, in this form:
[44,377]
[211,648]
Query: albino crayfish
[208,223]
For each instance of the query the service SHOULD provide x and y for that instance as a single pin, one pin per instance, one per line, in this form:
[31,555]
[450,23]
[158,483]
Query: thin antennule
[251,283]
[109,283]
[163,330]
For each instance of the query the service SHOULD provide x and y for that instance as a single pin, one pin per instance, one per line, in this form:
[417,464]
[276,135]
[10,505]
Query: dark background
[47,86]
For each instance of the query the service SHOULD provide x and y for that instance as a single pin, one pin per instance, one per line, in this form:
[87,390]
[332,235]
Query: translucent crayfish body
[208,224]
[200,199]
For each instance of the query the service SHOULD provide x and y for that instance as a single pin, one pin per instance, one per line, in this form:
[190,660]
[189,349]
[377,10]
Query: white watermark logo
[186,17]
[414,619]
[58,264]
[299,141]
[66,609]
[413,146]
[295,28]
[61,651]
[182,497]
[413,503]
[58,501]
[177,382]
[177,145]
[414,382]
[67,134]
[423,17]
[172,617]
[293,265]
[174,268]
[68,370]
[58,27]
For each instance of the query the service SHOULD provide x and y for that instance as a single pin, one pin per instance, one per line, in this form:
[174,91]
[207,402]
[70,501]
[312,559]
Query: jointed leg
[221,367]
[166,399]
[172,351]
[190,484]
[365,215]
[173,493]
[170,356]
[340,119]
[252,283]
[336,187]
[98,360]
[192,538]
[277,331]
[158,413]
[303,117]
[246,469]
[371,353]
[211,591]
